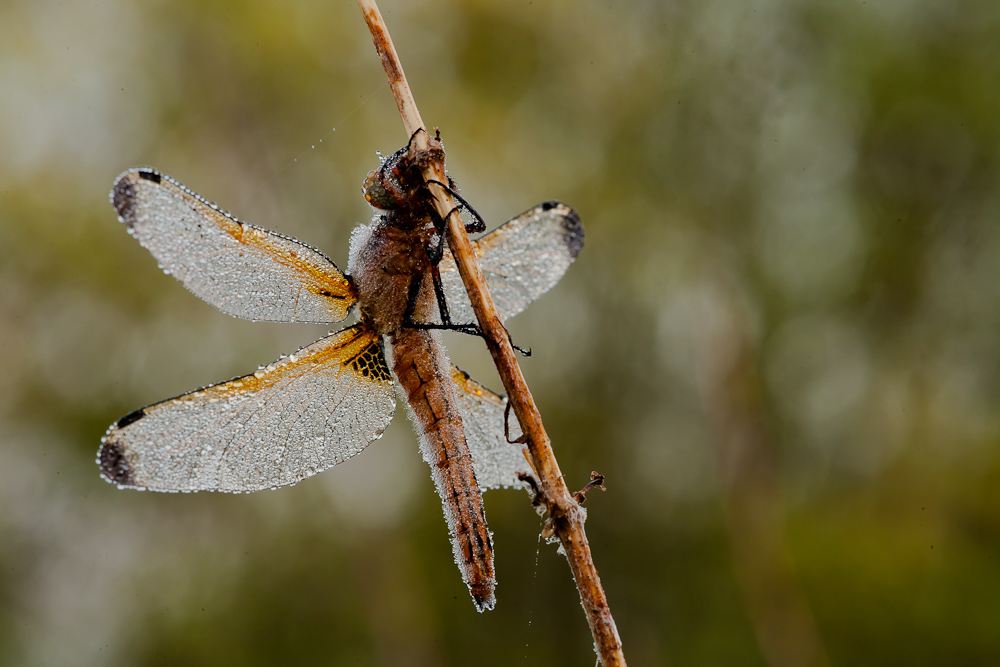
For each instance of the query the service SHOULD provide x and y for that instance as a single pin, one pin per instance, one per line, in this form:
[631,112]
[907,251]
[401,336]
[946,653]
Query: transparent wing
[298,416]
[240,269]
[496,461]
[521,260]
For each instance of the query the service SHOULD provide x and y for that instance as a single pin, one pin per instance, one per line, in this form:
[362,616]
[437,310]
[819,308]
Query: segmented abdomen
[423,370]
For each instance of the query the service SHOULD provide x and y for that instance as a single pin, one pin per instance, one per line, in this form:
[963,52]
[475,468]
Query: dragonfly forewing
[521,260]
[242,270]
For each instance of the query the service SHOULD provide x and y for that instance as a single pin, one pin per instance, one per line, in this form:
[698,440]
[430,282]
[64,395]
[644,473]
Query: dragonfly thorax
[392,257]
[384,260]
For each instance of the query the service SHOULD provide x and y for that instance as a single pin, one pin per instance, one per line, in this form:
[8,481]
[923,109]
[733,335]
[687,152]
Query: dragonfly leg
[536,500]
[439,294]
[521,439]
[468,329]
[411,305]
[478,224]
[411,298]
[435,253]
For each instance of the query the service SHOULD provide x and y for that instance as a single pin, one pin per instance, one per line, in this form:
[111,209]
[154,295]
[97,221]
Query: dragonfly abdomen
[424,372]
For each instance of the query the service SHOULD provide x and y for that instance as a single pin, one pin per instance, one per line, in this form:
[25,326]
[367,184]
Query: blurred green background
[781,342]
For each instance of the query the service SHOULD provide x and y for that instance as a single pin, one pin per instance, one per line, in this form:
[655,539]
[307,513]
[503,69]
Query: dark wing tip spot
[124,194]
[114,464]
[549,205]
[130,418]
[574,233]
[123,199]
[148,174]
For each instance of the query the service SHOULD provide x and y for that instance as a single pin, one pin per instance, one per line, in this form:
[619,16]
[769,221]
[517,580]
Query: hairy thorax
[384,261]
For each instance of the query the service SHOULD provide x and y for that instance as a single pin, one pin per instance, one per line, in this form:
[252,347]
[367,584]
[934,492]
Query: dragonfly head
[375,192]
[391,186]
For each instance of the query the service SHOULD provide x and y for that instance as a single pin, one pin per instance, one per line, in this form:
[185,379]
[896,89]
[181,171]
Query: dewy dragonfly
[318,407]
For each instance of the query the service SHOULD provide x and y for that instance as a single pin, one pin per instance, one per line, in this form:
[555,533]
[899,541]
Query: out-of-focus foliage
[781,342]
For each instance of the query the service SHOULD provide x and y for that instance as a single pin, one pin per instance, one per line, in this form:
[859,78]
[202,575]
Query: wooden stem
[566,517]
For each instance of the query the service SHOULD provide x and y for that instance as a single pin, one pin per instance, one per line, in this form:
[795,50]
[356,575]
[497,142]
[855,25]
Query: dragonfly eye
[375,192]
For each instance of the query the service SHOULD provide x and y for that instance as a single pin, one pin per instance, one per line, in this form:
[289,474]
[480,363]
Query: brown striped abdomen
[423,370]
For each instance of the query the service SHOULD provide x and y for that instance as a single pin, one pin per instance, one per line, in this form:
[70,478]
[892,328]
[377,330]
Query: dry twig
[566,517]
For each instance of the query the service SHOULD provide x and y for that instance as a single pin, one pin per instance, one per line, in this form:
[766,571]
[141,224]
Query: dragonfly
[321,405]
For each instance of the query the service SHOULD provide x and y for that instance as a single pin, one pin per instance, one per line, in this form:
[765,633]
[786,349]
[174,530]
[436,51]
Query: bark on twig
[566,517]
